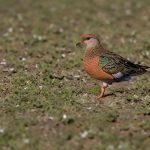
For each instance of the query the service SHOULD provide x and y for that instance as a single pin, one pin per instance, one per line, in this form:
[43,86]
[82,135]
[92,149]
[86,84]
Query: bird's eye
[87,38]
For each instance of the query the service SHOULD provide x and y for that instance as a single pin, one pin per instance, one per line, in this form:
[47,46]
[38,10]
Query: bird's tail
[144,67]
[140,69]
[147,72]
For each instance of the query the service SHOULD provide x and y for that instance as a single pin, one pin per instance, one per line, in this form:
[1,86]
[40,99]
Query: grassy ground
[47,100]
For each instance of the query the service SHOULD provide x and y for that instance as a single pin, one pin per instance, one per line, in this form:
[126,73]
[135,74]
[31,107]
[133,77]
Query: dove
[105,65]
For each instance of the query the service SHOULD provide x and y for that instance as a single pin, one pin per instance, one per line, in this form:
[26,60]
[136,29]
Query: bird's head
[88,40]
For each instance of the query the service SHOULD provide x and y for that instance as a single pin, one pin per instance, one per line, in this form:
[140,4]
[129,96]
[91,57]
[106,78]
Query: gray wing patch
[118,75]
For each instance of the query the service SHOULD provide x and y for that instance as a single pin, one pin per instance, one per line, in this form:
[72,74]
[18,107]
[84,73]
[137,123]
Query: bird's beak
[78,45]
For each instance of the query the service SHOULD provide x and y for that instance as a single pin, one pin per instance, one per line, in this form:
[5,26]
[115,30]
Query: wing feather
[113,64]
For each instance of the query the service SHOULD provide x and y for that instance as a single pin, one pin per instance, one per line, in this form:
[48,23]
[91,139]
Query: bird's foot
[102,91]
[99,97]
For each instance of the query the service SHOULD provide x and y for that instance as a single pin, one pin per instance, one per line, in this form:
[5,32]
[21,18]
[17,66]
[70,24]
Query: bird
[105,65]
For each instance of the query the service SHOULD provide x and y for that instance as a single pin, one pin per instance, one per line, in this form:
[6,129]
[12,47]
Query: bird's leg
[102,90]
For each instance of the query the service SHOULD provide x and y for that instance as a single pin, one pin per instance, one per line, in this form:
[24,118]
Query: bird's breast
[92,67]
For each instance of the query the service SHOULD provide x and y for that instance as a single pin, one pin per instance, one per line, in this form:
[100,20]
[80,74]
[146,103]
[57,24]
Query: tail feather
[144,67]
[137,69]
[140,69]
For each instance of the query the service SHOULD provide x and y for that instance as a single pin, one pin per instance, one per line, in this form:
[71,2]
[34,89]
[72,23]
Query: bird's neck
[93,51]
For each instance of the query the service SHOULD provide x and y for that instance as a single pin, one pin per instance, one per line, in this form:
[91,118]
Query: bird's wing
[117,66]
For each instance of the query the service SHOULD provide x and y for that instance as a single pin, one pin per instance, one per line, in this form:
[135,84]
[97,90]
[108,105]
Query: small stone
[2,130]
[89,108]
[40,87]
[10,29]
[76,76]
[25,88]
[63,55]
[23,59]
[61,30]
[51,118]
[36,66]
[3,62]
[27,82]
[12,69]
[26,141]
[128,12]
[85,95]
[64,116]
[84,134]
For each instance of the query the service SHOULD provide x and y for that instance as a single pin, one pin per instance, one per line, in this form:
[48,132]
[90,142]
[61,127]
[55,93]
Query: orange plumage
[92,68]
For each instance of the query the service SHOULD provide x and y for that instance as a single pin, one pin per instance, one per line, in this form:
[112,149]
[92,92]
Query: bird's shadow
[110,94]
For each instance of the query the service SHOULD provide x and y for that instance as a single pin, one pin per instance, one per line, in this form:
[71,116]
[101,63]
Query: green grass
[47,101]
